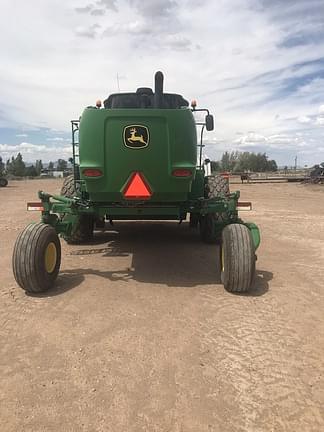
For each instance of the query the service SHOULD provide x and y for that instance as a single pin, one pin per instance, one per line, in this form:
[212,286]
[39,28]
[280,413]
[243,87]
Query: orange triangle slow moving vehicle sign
[137,188]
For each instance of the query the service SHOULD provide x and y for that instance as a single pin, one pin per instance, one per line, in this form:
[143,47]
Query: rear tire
[68,188]
[37,258]
[208,229]
[83,228]
[194,220]
[215,187]
[3,182]
[237,258]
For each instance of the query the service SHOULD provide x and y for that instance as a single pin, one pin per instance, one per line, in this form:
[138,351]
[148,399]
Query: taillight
[35,206]
[181,172]
[92,172]
[241,205]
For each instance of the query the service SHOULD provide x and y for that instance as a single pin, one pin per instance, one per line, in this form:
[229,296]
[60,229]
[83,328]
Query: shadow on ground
[260,285]
[162,253]
[9,186]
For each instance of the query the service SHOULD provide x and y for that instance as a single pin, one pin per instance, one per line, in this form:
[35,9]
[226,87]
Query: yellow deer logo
[136,136]
[133,137]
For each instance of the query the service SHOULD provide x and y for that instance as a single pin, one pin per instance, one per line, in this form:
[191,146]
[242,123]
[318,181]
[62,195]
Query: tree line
[235,162]
[239,162]
[17,167]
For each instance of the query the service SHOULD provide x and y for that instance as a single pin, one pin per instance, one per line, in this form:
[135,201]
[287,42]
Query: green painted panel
[172,144]
[255,233]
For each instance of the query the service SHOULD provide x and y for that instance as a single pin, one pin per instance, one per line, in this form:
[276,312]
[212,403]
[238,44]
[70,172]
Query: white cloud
[304,119]
[256,141]
[27,147]
[56,139]
[320,118]
[255,68]
[89,32]
[31,152]
[108,4]
[84,9]
[250,140]
[98,12]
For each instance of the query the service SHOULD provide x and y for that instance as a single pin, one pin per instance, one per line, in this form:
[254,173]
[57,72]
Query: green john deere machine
[136,159]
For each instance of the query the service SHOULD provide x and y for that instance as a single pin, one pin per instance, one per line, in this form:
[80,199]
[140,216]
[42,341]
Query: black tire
[194,220]
[237,258]
[208,228]
[215,187]
[83,229]
[68,188]
[36,258]
[3,182]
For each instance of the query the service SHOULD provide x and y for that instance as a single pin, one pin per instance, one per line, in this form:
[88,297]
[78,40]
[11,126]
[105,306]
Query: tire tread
[216,186]
[28,258]
[239,257]
[83,229]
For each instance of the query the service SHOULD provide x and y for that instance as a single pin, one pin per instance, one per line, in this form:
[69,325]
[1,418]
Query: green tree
[61,165]
[263,162]
[38,167]
[16,166]
[19,166]
[2,167]
[31,171]
[243,162]
[246,161]
[229,160]
[215,166]
[51,166]
[9,165]
[254,162]
[225,161]
[272,165]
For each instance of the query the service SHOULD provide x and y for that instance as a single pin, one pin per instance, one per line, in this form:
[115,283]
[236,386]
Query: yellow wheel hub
[50,257]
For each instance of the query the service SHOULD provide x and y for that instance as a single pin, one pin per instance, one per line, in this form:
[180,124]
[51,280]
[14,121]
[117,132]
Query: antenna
[118,83]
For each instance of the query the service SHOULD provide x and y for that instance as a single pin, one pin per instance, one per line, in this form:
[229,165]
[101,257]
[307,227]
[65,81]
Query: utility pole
[296,163]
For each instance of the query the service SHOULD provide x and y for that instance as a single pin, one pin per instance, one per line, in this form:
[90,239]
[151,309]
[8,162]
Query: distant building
[57,173]
[49,173]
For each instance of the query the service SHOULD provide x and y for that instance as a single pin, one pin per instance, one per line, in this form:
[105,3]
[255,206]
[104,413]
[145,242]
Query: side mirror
[209,120]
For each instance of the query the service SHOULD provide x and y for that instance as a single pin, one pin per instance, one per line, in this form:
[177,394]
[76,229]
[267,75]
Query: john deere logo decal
[136,136]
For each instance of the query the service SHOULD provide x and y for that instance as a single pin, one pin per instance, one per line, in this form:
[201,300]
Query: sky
[257,65]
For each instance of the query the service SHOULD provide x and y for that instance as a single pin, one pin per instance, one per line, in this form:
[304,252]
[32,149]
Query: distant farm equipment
[316,176]
[3,182]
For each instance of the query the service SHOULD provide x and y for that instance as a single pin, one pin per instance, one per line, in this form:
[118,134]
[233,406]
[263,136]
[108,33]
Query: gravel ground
[139,335]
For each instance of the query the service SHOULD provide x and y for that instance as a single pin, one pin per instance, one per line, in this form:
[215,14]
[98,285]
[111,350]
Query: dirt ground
[139,335]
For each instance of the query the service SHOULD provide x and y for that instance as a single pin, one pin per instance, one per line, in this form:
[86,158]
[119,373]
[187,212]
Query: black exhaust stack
[158,91]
